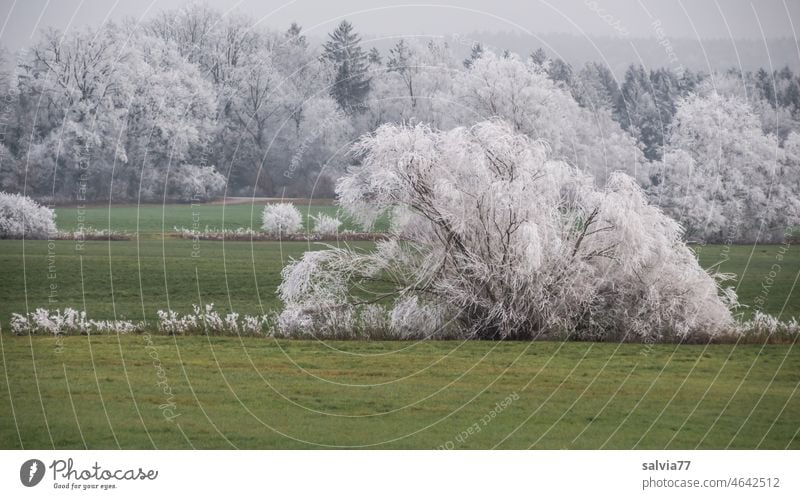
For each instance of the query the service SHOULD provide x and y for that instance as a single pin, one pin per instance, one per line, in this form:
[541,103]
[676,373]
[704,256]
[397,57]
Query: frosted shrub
[765,326]
[411,319]
[294,321]
[70,321]
[374,321]
[20,324]
[20,216]
[209,234]
[498,241]
[326,225]
[169,322]
[206,320]
[232,323]
[195,183]
[281,219]
[116,327]
[91,234]
[209,318]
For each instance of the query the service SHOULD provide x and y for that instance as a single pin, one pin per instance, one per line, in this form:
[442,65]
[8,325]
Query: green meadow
[151,220]
[161,392]
[155,391]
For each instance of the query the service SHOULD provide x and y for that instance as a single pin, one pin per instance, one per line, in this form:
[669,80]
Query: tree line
[193,104]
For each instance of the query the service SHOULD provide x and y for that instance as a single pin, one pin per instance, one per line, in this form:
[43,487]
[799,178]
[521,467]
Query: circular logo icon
[31,472]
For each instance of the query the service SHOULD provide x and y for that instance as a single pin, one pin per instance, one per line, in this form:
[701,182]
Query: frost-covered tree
[401,61]
[169,120]
[417,85]
[281,219]
[195,183]
[522,94]
[75,86]
[22,217]
[595,86]
[492,239]
[722,177]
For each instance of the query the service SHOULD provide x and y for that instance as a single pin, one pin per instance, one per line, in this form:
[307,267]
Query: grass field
[151,220]
[146,391]
[104,392]
[133,279]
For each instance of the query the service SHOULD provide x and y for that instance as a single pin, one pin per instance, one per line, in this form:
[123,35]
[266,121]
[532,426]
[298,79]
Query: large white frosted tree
[722,177]
[492,239]
[521,93]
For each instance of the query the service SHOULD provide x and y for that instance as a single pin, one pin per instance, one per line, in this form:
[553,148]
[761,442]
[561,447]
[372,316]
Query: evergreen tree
[374,57]
[351,84]
[560,72]
[539,57]
[638,112]
[595,87]
[766,86]
[295,36]
[792,97]
[477,52]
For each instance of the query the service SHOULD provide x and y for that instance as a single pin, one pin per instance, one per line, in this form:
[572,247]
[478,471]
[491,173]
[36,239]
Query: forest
[192,105]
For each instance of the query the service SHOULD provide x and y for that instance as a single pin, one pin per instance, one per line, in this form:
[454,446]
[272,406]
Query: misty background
[700,35]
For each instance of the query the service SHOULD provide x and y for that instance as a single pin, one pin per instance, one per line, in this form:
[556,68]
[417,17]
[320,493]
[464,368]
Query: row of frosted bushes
[281,221]
[404,322]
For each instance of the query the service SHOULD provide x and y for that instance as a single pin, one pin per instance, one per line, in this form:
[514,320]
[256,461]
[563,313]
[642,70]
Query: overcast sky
[21,19]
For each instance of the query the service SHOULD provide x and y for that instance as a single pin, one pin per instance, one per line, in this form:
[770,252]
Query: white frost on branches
[20,216]
[70,321]
[521,93]
[326,225]
[408,319]
[498,241]
[281,219]
[195,183]
[723,178]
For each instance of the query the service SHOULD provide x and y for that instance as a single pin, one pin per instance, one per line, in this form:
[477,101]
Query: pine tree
[295,36]
[637,112]
[351,84]
[374,57]
[539,57]
[560,72]
[766,86]
[477,52]
[792,97]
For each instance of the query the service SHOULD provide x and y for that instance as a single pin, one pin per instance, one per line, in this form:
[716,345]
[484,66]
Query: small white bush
[281,219]
[20,216]
[325,225]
